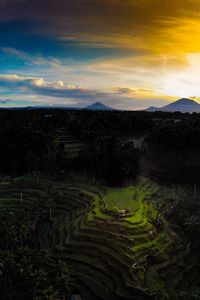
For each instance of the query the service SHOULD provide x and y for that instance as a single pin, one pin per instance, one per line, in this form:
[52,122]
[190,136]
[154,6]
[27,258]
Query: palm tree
[64,277]
[51,206]
[50,293]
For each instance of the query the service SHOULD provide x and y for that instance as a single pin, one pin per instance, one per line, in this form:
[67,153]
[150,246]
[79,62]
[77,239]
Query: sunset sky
[129,54]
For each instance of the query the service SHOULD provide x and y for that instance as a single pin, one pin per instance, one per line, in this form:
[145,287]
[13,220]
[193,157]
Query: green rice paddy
[110,257]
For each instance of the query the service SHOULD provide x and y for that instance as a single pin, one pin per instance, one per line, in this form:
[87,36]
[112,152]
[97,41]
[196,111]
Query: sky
[128,54]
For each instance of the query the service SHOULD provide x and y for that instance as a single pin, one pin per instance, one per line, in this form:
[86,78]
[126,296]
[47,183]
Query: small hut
[122,213]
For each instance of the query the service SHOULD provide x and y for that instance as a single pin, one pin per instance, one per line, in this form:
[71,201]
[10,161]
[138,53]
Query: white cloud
[37,60]
[26,84]
[59,92]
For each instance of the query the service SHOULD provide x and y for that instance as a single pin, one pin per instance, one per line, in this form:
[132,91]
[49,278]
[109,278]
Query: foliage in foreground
[26,272]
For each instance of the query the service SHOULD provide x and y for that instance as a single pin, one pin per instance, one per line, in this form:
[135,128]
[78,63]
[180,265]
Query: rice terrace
[100,150]
[111,256]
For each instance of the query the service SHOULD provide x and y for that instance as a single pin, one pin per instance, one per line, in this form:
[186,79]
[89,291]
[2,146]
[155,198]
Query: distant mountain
[95,106]
[152,108]
[41,108]
[98,106]
[183,105]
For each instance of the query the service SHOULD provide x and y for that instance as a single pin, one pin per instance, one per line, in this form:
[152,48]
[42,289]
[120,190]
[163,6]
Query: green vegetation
[27,271]
[70,145]
[67,218]
[70,228]
[122,198]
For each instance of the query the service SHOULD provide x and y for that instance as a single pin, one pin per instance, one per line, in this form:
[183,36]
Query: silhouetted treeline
[173,150]
[117,146]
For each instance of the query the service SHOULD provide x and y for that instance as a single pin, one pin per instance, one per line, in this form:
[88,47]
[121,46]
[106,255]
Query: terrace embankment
[136,256]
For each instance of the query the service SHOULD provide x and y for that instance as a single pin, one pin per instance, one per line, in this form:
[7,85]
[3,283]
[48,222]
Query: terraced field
[72,145]
[122,198]
[112,258]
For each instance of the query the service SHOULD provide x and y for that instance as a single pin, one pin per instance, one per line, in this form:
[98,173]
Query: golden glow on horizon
[185,83]
[149,50]
[166,46]
[159,42]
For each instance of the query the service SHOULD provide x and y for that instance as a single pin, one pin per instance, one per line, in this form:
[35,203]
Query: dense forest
[112,148]
[115,146]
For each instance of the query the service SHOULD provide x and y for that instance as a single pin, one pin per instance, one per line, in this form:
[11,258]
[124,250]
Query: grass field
[122,198]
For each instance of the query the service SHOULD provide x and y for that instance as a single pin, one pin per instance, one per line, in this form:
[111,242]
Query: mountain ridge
[183,105]
[98,106]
